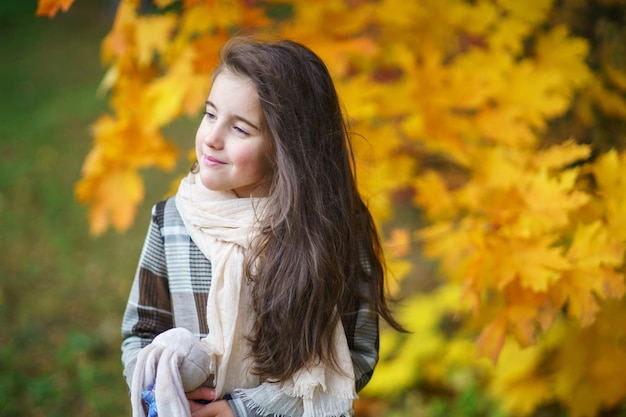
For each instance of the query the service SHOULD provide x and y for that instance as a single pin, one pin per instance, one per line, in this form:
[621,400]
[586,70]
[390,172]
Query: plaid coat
[171,287]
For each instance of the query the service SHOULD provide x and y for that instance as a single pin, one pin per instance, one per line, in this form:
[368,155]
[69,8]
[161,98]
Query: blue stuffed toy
[148,397]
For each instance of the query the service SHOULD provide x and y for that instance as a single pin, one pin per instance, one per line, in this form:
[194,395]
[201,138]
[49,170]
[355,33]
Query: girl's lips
[212,162]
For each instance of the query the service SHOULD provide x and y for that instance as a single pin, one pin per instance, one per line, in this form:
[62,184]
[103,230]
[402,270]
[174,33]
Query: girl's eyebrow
[243,119]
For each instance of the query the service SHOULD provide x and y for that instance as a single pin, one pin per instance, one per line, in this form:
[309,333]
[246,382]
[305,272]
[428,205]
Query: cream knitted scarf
[223,226]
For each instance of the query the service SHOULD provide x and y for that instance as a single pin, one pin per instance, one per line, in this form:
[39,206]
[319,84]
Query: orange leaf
[491,339]
[152,34]
[51,7]
[114,199]
[399,243]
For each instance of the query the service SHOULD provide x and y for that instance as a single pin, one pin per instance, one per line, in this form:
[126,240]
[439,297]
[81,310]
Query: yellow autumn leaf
[152,35]
[379,177]
[557,50]
[595,257]
[609,174]
[508,36]
[590,363]
[611,102]
[582,303]
[163,98]
[400,13]
[502,125]
[561,155]
[499,167]
[533,11]
[149,148]
[433,195]
[331,14]
[538,264]
[534,94]
[516,382]
[593,247]
[197,19]
[361,101]
[438,241]
[550,198]
[113,199]
[475,18]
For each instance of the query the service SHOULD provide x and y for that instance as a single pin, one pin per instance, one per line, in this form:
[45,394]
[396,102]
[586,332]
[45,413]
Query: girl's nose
[213,138]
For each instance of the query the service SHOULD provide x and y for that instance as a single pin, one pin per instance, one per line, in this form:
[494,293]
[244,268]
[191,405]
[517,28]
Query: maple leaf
[537,263]
[119,42]
[363,103]
[503,125]
[586,358]
[332,14]
[550,199]
[595,257]
[152,36]
[608,172]
[557,50]
[432,193]
[508,36]
[114,200]
[163,99]
[516,382]
[527,311]
[51,7]
[475,18]
[491,339]
[438,239]
[561,155]
[533,11]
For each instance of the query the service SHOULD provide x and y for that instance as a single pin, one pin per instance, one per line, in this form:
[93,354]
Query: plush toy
[174,363]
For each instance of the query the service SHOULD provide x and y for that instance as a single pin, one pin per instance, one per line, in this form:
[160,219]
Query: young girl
[261,282]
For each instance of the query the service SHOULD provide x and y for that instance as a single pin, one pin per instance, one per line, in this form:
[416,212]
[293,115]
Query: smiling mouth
[212,162]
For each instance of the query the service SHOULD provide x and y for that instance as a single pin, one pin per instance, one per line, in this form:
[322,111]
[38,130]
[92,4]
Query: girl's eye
[210,115]
[241,131]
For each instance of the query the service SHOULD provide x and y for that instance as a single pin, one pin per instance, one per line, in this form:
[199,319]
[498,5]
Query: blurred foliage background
[62,291]
[470,104]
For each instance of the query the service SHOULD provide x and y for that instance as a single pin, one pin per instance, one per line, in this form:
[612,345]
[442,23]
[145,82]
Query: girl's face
[232,151]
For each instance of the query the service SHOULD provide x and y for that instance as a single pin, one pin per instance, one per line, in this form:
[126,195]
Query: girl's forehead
[227,76]
[229,86]
[227,82]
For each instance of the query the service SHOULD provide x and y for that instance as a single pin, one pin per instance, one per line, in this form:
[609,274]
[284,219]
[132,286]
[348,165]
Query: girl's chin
[210,185]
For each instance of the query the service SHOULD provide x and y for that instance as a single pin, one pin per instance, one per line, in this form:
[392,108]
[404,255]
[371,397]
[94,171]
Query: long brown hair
[321,247]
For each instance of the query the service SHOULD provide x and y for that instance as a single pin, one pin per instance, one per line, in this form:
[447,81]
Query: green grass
[62,291]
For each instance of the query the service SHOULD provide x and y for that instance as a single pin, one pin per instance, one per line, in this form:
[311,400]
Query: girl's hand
[199,397]
[219,408]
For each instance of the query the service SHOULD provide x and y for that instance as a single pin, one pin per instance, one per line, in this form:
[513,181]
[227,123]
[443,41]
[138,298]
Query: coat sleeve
[148,311]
